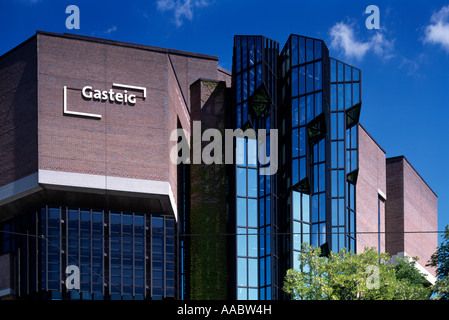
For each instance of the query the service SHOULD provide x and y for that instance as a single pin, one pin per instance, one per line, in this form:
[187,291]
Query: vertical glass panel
[351,196]
[341,127]
[334,212]
[333,70]
[294,50]
[241,211]
[318,79]
[242,279]
[302,111]
[251,50]
[252,153]
[318,103]
[241,242]
[242,294]
[322,233]
[341,212]
[305,208]
[295,141]
[252,273]
[353,159]
[340,72]
[302,168]
[341,96]
[314,235]
[341,154]
[347,73]
[258,49]
[322,177]
[239,116]
[295,82]
[244,52]
[348,95]
[310,107]
[296,235]
[341,183]
[258,75]
[240,151]
[334,178]
[245,85]
[334,163]
[241,182]
[334,126]
[252,183]
[296,205]
[322,200]
[252,81]
[302,50]
[355,92]
[262,211]
[321,150]
[252,243]
[305,233]
[355,74]
[302,141]
[333,97]
[315,217]
[310,77]
[238,57]
[238,87]
[252,213]
[267,210]
[309,47]
[295,112]
[302,80]
[244,112]
[317,49]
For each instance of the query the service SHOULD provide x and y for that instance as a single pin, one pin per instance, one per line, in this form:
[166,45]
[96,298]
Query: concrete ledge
[90,183]
[20,188]
[432,279]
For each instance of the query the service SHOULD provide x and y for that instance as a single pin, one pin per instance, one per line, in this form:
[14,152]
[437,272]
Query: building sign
[123,96]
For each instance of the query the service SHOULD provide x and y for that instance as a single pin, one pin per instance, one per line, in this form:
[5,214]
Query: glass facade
[315,105]
[120,255]
[255,88]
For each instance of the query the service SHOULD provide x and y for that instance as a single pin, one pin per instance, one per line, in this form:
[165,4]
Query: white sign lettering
[122,97]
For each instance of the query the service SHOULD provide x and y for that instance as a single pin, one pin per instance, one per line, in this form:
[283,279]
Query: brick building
[88,186]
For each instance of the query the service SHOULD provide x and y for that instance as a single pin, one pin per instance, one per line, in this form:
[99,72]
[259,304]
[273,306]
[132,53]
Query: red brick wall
[129,141]
[371,178]
[18,113]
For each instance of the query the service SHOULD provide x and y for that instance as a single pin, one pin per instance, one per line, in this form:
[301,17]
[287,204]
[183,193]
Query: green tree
[440,260]
[349,276]
[413,285]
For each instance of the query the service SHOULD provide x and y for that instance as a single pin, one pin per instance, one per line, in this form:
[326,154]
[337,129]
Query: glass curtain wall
[303,61]
[345,108]
[120,255]
[254,82]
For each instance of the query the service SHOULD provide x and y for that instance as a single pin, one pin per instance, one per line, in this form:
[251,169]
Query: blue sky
[404,64]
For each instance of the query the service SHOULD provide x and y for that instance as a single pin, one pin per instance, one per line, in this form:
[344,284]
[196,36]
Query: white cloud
[182,9]
[110,30]
[437,32]
[343,38]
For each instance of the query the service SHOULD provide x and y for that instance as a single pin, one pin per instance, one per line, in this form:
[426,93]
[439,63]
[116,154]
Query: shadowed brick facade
[411,215]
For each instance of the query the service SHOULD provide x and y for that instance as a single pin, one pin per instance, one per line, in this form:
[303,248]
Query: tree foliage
[440,260]
[349,276]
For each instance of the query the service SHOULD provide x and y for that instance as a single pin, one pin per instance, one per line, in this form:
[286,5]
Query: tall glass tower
[314,103]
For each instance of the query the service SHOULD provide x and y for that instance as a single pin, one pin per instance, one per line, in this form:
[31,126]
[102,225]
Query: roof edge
[402,157]
[127,44]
